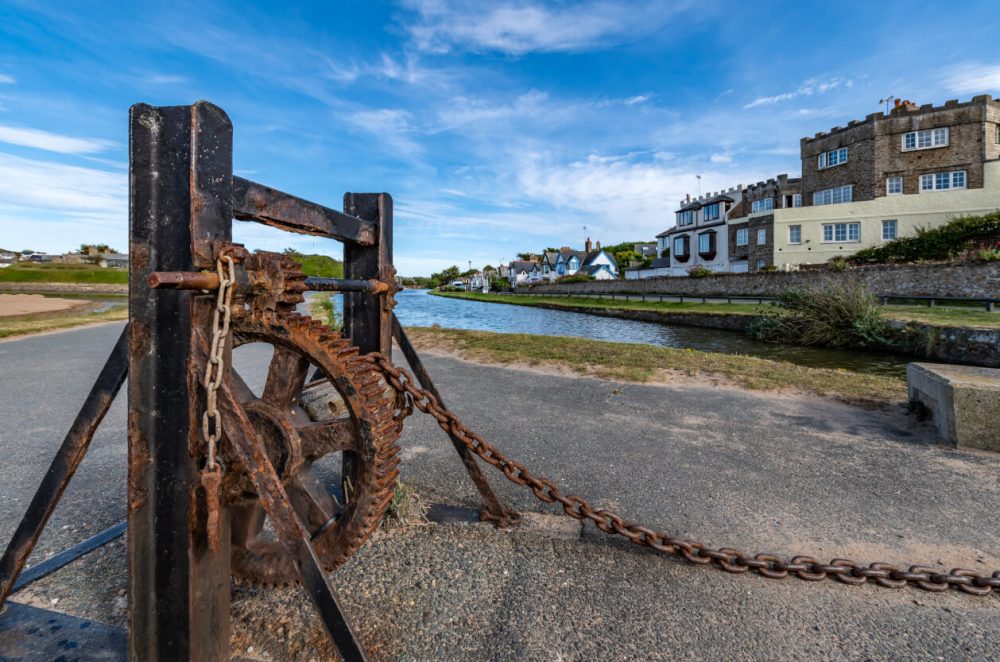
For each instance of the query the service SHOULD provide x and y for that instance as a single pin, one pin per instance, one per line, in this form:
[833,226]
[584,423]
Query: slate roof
[523,265]
[592,269]
[594,253]
[549,258]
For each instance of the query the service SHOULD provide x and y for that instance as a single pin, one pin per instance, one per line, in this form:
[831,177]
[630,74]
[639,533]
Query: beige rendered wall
[911,211]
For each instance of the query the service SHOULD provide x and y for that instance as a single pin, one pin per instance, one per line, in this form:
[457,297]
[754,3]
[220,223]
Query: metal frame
[183,198]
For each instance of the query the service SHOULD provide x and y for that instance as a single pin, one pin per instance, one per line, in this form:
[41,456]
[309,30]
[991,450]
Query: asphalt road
[756,471]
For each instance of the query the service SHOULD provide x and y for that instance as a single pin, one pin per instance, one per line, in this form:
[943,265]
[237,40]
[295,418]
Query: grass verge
[960,317]
[62,274]
[617,304]
[645,363]
[21,325]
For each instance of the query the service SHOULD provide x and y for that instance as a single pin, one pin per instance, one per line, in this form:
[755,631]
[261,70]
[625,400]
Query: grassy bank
[62,273]
[617,304]
[645,363]
[961,317]
[22,325]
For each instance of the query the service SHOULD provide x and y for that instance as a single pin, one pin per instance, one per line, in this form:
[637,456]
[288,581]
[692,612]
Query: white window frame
[761,236]
[764,204]
[890,188]
[926,139]
[841,233]
[796,200]
[685,218]
[834,196]
[744,234]
[795,234]
[833,158]
[951,180]
[890,223]
[717,211]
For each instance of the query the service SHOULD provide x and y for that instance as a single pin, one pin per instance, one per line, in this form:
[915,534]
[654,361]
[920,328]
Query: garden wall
[938,280]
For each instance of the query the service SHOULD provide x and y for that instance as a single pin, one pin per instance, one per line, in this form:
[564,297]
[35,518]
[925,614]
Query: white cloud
[52,206]
[973,77]
[166,79]
[639,98]
[52,142]
[519,27]
[8,80]
[390,125]
[809,88]
[721,158]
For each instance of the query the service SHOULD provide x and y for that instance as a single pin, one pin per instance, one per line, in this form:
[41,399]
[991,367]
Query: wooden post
[180,202]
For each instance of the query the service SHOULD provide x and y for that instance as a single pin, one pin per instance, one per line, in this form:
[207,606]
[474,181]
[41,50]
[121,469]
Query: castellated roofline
[906,109]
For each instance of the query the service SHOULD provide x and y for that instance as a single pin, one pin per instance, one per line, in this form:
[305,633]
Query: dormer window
[713,212]
[685,217]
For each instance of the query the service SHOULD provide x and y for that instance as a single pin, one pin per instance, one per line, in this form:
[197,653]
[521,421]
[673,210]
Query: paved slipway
[753,470]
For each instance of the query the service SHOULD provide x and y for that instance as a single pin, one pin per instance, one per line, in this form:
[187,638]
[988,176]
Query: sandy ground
[28,304]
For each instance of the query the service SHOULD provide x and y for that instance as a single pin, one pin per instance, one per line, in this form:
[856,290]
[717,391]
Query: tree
[446,276]
[625,258]
[489,267]
[525,256]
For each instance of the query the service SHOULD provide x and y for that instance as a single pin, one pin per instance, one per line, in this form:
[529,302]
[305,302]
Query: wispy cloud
[809,88]
[51,202]
[6,79]
[523,27]
[166,79]
[52,142]
[973,77]
[721,158]
[392,126]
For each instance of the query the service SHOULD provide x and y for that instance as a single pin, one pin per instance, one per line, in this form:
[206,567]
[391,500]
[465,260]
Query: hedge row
[941,243]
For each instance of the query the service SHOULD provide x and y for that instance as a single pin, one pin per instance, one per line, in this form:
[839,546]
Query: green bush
[575,278]
[699,271]
[838,263]
[828,313]
[323,308]
[942,243]
[451,288]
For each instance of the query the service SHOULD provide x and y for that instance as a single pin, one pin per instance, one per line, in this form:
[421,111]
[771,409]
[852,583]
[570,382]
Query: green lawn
[618,304]
[964,317]
[642,363]
[62,273]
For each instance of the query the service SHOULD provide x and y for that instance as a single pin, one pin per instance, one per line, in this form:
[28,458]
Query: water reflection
[418,308]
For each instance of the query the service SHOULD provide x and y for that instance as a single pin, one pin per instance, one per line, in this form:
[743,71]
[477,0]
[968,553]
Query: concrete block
[964,402]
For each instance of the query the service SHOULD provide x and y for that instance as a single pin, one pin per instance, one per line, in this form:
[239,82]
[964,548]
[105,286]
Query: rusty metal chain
[730,560]
[211,420]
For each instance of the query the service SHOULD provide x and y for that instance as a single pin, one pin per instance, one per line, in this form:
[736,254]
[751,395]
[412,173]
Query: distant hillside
[317,265]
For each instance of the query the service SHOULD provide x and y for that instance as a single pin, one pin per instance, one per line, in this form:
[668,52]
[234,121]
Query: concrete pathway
[752,470]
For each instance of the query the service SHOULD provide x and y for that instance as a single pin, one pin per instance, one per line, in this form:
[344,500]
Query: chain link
[211,421]
[730,560]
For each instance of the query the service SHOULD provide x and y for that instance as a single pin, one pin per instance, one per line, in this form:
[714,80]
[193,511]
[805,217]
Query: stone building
[700,237]
[889,175]
[751,222]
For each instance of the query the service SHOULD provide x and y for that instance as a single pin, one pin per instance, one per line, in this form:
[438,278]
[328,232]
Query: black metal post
[367,319]
[180,203]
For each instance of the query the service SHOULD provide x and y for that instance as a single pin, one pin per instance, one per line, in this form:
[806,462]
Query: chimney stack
[587,246]
[598,246]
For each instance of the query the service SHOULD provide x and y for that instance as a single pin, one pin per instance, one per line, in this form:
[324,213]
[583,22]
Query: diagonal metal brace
[495,510]
[64,465]
[287,525]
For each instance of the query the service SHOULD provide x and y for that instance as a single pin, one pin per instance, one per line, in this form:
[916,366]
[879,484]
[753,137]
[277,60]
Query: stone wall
[941,280]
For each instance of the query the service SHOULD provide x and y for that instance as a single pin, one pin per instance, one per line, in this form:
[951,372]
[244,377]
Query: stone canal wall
[974,281]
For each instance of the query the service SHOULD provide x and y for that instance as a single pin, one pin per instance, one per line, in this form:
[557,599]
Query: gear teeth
[375,408]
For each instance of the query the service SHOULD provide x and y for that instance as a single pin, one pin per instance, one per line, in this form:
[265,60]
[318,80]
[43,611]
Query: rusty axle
[206,280]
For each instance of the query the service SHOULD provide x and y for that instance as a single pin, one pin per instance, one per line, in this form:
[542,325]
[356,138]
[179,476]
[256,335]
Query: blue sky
[497,126]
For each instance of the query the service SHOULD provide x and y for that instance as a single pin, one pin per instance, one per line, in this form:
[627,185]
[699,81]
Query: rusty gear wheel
[351,410]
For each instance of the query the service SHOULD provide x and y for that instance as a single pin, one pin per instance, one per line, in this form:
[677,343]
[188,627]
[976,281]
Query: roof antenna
[889,99]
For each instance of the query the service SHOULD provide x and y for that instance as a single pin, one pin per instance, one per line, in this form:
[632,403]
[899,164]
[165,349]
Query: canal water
[418,308]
